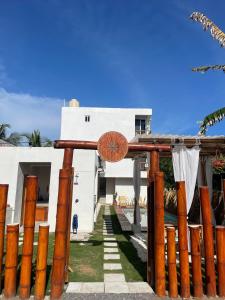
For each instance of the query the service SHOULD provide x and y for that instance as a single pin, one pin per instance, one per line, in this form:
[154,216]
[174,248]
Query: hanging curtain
[185,167]
[137,189]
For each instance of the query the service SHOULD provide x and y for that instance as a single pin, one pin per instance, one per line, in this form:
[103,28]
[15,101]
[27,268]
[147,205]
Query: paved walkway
[114,278]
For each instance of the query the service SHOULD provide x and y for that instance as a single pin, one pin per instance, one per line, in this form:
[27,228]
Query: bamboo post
[11,260]
[59,257]
[195,231]
[3,204]
[41,267]
[67,164]
[171,259]
[208,241]
[182,239]
[154,167]
[220,247]
[29,223]
[159,244]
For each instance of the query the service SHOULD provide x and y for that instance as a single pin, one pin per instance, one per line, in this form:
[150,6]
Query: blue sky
[127,53]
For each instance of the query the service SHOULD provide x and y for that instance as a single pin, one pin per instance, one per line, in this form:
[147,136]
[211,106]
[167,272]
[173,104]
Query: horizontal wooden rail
[89,145]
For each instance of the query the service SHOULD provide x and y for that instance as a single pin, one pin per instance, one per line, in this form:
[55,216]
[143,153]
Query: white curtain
[137,189]
[185,167]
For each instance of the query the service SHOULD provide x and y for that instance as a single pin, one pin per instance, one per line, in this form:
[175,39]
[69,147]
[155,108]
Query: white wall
[124,187]
[73,125]
[84,191]
[84,164]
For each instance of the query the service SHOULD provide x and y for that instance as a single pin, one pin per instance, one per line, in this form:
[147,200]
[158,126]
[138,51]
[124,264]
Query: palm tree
[34,139]
[218,35]
[14,138]
[3,129]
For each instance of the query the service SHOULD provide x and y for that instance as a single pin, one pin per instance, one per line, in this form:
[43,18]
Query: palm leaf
[3,128]
[215,31]
[204,69]
[14,138]
[212,119]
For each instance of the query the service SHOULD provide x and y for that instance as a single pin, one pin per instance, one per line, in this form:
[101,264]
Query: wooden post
[68,158]
[11,260]
[29,223]
[208,241]
[182,239]
[59,257]
[220,247]
[3,205]
[159,245]
[41,266]
[195,231]
[67,164]
[171,259]
[154,167]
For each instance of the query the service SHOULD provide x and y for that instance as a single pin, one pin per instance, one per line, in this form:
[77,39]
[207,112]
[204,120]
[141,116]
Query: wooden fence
[186,260]
[195,264]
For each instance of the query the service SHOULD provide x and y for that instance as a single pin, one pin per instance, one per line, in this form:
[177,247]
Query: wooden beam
[59,256]
[11,261]
[89,145]
[3,204]
[171,259]
[159,239]
[208,241]
[182,239]
[29,223]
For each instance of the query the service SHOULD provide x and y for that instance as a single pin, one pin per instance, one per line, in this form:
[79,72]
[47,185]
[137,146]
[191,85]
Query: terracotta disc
[112,146]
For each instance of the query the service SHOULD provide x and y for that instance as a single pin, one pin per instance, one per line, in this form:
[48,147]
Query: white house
[77,123]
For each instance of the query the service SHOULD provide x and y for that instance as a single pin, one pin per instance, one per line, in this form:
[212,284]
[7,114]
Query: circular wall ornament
[112,146]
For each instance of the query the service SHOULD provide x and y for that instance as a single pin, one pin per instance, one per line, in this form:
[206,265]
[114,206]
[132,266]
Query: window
[139,126]
[87,118]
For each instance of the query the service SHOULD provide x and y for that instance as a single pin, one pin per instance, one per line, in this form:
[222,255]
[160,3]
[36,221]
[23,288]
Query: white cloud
[25,112]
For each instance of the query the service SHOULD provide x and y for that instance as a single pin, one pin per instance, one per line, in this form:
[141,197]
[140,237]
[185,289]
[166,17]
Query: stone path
[114,278]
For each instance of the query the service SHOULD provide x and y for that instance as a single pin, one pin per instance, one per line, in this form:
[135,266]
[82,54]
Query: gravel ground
[111,297]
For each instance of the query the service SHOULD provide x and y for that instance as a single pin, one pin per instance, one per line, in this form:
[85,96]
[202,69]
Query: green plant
[218,35]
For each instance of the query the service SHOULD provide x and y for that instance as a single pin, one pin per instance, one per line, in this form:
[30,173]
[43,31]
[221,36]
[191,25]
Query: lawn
[86,257]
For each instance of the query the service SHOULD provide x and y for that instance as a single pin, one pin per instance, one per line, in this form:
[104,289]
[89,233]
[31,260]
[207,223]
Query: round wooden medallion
[112,146]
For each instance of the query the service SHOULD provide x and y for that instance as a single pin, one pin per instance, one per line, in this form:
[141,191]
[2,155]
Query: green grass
[133,268]
[86,258]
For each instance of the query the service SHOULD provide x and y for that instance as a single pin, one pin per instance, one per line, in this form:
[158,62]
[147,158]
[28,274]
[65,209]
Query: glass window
[87,118]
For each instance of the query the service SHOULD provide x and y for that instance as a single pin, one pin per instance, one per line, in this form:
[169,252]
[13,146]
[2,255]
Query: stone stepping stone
[20,239]
[108,234]
[111,256]
[86,287]
[108,244]
[116,287]
[116,277]
[111,267]
[109,239]
[139,287]
[111,250]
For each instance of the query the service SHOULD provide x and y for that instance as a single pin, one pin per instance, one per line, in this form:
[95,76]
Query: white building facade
[77,123]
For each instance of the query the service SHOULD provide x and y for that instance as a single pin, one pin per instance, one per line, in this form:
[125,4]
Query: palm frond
[211,119]
[14,138]
[204,69]
[216,33]
[3,128]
